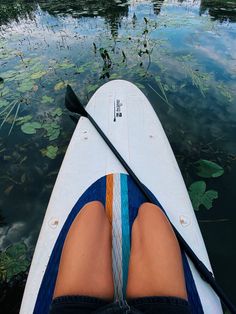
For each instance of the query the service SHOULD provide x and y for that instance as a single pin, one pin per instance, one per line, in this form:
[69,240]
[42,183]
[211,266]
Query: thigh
[86,264]
[155,267]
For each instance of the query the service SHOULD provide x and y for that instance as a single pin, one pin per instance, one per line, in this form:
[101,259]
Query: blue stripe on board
[125,230]
[136,199]
[97,191]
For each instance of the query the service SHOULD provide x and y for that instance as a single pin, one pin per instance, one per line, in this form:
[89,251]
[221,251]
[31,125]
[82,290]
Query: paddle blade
[72,102]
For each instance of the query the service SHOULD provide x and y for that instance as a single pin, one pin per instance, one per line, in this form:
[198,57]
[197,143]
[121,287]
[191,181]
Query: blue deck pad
[131,199]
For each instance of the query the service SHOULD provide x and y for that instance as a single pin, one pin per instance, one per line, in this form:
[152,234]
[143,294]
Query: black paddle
[73,104]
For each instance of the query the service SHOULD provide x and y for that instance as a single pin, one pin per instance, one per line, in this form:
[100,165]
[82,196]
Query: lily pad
[141,86]
[30,127]
[13,261]
[37,67]
[66,65]
[208,169]
[57,112]
[59,86]
[47,99]
[22,120]
[4,91]
[8,74]
[199,196]
[92,88]
[115,76]
[52,129]
[26,86]
[51,151]
[3,103]
[38,75]
[81,69]
[54,134]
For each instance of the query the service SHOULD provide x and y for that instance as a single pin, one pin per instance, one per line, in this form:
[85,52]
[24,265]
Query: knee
[148,214]
[94,209]
[148,211]
[95,205]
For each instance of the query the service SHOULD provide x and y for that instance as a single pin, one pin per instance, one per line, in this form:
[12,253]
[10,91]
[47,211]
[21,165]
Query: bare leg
[86,263]
[155,267]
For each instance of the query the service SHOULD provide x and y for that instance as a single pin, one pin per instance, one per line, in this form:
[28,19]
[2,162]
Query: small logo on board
[117,109]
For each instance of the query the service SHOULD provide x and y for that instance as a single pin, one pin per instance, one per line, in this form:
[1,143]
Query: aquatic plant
[208,169]
[13,261]
[199,196]
[199,78]
[50,151]
[107,63]
[158,51]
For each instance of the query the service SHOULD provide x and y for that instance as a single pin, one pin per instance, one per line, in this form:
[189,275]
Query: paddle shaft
[202,269]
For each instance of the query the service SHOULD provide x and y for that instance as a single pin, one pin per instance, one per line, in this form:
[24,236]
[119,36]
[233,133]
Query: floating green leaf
[114,76]
[92,88]
[22,120]
[26,86]
[30,127]
[13,261]
[141,86]
[54,134]
[51,151]
[52,129]
[47,99]
[19,76]
[59,86]
[38,75]
[66,65]
[208,169]
[4,91]
[57,112]
[199,196]
[9,74]
[37,67]
[3,103]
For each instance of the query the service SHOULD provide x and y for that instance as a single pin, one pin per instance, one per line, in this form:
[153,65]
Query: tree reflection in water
[219,10]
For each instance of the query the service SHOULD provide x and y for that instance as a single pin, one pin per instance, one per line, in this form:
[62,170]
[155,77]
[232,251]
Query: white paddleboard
[129,121]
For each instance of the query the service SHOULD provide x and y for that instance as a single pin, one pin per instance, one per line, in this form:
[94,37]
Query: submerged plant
[107,63]
[199,79]
[13,261]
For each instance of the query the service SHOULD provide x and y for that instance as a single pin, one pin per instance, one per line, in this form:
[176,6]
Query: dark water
[182,54]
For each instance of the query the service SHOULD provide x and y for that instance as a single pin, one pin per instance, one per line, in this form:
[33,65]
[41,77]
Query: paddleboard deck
[90,171]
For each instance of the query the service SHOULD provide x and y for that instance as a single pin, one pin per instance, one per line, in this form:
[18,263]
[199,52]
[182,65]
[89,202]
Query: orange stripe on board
[109,196]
